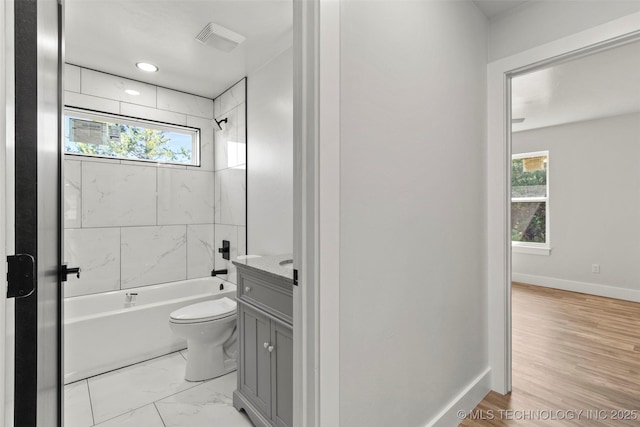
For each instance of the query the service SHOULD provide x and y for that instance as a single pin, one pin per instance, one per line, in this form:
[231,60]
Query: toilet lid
[205,311]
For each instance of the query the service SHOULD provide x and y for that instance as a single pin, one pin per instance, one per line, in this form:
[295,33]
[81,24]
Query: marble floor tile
[77,405]
[206,405]
[121,391]
[147,416]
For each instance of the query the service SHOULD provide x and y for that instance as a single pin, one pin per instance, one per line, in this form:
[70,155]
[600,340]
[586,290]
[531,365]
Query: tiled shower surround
[131,224]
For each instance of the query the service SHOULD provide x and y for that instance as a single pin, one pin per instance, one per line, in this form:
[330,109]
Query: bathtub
[103,332]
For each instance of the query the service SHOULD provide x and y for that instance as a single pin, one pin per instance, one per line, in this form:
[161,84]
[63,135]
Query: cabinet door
[282,371]
[255,360]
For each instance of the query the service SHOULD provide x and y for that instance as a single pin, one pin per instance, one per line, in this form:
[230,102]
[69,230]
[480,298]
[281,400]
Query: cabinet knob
[266,345]
[247,288]
[270,348]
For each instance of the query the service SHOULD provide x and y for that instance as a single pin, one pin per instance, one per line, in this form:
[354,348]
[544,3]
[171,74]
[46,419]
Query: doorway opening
[155,194]
[573,196]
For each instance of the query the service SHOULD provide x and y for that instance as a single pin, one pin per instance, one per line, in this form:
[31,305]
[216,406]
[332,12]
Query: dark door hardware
[295,277]
[65,271]
[216,272]
[21,276]
[225,249]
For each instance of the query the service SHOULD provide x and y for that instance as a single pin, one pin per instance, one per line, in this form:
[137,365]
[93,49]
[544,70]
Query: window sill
[531,250]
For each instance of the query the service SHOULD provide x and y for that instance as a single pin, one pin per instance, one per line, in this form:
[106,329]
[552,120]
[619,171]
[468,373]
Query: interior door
[38,362]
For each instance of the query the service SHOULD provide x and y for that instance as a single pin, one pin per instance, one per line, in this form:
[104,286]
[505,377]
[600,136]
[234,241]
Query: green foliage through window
[529,194]
[99,136]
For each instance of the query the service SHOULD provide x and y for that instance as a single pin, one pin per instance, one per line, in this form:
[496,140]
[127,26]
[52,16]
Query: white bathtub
[100,334]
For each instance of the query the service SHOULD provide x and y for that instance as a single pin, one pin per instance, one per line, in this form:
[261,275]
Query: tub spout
[216,272]
[130,299]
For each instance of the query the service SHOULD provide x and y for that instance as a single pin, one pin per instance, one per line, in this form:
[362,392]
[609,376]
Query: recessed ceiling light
[132,92]
[145,66]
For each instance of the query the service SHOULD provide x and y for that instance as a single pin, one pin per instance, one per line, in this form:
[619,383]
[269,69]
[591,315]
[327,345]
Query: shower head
[218,122]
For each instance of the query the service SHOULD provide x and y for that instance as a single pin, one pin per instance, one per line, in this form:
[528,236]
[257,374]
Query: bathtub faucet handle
[225,250]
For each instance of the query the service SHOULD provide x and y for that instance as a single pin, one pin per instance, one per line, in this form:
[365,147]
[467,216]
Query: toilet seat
[205,311]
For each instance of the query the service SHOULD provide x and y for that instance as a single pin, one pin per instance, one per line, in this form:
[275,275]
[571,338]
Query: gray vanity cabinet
[255,359]
[265,356]
[282,368]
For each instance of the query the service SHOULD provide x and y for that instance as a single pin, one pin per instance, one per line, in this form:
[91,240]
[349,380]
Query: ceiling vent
[219,37]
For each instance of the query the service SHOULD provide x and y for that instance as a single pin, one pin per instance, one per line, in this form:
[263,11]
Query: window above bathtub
[105,135]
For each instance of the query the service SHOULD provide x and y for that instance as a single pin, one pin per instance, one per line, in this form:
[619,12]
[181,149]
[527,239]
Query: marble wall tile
[226,150]
[206,140]
[84,159]
[242,241]
[180,102]
[97,252]
[118,195]
[72,194]
[153,255]
[230,99]
[112,87]
[142,112]
[230,196]
[78,100]
[230,233]
[241,137]
[185,196]
[200,250]
[71,78]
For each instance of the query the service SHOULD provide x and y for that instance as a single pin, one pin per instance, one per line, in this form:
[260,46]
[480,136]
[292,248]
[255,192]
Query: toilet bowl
[210,330]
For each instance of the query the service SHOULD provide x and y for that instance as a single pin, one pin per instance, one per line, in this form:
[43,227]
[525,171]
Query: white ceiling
[493,8]
[112,35]
[599,85]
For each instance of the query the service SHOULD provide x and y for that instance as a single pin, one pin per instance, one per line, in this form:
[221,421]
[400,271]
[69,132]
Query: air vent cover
[219,37]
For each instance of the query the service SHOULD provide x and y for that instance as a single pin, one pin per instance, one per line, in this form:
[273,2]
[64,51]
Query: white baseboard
[463,402]
[582,287]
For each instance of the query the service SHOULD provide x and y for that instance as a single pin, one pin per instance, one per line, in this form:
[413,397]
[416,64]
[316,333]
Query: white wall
[594,202]
[413,316]
[270,153]
[539,22]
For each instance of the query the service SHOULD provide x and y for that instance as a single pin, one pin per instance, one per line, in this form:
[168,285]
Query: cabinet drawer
[261,293]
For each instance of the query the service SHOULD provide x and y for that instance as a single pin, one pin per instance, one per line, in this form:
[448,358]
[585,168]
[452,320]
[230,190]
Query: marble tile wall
[230,175]
[128,223]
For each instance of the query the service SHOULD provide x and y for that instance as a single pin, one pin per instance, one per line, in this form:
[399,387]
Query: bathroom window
[530,202]
[112,136]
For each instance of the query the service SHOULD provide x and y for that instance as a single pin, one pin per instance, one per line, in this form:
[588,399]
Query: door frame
[316,212]
[40,84]
[499,75]
[6,180]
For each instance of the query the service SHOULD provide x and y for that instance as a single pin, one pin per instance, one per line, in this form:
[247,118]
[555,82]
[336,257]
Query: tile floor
[152,394]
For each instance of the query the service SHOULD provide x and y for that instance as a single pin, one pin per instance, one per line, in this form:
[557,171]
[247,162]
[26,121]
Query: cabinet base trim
[242,403]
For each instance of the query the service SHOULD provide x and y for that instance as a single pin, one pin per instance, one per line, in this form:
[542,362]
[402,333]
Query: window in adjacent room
[530,202]
[112,136]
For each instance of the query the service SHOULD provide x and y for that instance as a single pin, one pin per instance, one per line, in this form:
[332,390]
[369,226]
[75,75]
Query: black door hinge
[21,275]
[295,277]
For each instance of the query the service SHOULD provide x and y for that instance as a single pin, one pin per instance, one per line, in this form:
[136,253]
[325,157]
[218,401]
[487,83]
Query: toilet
[210,330]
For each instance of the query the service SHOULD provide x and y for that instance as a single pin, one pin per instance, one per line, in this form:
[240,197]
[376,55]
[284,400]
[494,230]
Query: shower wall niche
[129,223]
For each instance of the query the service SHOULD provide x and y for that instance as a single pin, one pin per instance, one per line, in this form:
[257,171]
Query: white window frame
[534,248]
[132,121]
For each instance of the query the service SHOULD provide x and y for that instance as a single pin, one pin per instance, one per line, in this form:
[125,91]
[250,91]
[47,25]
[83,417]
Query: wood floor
[571,352]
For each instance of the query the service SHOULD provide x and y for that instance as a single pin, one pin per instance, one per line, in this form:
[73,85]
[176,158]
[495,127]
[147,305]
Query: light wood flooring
[571,352]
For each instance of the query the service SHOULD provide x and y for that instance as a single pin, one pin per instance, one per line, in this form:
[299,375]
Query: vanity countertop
[270,265]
